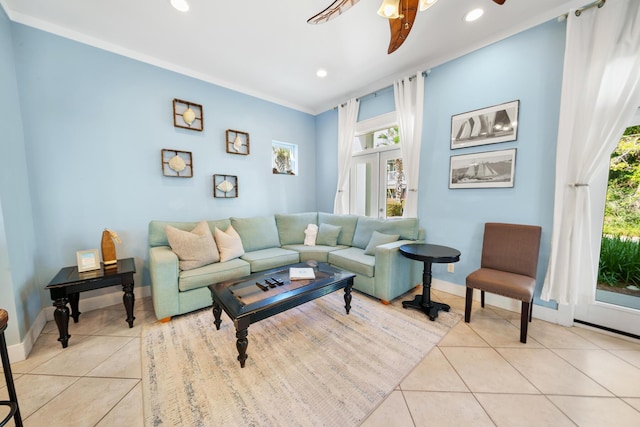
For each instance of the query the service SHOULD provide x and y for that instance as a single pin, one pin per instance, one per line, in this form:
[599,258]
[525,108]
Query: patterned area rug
[312,365]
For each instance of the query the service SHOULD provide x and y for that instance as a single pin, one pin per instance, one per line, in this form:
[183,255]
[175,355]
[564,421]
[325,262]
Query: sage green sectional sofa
[277,240]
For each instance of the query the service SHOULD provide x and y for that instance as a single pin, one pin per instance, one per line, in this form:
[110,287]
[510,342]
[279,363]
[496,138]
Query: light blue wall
[527,67]
[95,123]
[19,293]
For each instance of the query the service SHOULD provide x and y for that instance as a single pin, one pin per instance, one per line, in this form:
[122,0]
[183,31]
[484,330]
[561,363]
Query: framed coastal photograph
[88,260]
[489,125]
[490,169]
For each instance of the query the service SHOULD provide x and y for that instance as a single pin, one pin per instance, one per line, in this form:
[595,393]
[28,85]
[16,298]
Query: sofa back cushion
[259,232]
[291,226]
[407,228]
[158,236]
[347,222]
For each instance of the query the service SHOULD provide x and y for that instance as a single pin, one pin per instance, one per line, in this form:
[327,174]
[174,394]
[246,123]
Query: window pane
[396,188]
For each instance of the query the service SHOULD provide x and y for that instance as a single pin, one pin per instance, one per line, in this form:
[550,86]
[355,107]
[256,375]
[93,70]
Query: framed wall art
[237,142]
[490,169]
[177,163]
[489,125]
[188,115]
[284,158]
[225,186]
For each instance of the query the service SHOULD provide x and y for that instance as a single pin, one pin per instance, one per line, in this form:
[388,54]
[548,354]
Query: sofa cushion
[229,243]
[212,273]
[328,234]
[194,248]
[378,239]
[407,228]
[265,259]
[314,253]
[158,235]
[354,260]
[291,226]
[347,222]
[257,233]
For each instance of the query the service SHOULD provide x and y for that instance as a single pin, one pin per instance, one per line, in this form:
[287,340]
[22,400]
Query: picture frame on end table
[490,125]
[489,169]
[88,260]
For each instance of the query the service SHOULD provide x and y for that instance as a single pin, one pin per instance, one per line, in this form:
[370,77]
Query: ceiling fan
[401,14]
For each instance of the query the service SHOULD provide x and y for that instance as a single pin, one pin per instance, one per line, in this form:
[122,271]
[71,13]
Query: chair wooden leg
[482,299]
[530,310]
[467,305]
[524,321]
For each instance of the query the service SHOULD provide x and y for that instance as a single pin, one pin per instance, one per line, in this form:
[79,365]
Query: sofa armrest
[395,274]
[164,271]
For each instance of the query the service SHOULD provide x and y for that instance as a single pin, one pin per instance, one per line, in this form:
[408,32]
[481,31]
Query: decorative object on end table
[491,169]
[177,163]
[109,238]
[187,115]
[489,125]
[88,260]
[225,186]
[237,142]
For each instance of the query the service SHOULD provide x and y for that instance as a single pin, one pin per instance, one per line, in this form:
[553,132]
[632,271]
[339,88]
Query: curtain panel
[600,94]
[347,118]
[409,99]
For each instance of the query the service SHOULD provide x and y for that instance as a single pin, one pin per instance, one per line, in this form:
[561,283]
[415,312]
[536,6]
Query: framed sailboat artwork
[489,169]
[489,125]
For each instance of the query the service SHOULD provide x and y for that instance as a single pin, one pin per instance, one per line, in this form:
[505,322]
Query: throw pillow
[310,235]
[194,248]
[229,243]
[378,239]
[328,234]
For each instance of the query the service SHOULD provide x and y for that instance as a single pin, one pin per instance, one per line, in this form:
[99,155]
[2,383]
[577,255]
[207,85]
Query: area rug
[313,365]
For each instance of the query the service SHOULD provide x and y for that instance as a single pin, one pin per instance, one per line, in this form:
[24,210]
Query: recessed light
[180,5]
[473,15]
[322,73]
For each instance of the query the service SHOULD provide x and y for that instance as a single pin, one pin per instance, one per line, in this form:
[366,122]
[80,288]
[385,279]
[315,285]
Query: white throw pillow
[310,234]
[229,243]
[194,248]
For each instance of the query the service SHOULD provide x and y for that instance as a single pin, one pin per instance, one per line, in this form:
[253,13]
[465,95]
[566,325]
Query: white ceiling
[267,49]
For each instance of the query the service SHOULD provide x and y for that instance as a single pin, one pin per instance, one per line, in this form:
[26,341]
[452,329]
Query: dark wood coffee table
[66,286]
[246,301]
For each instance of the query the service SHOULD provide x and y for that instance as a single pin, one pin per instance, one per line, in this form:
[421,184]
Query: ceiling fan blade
[500,2]
[337,8]
[401,27]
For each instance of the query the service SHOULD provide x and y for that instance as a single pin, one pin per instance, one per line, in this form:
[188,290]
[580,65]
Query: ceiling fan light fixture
[426,4]
[473,15]
[389,9]
[180,5]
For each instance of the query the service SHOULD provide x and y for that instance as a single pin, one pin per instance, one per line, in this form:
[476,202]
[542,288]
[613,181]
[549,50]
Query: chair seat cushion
[510,285]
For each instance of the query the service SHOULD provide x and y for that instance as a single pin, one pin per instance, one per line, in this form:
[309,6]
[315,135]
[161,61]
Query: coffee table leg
[74,299]
[129,300]
[241,344]
[217,312]
[347,296]
[61,316]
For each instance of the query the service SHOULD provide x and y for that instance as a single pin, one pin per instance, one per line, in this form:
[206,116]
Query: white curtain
[409,97]
[600,94]
[347,118]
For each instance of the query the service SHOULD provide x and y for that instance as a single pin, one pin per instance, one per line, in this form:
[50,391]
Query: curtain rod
[375,93]
[599,4]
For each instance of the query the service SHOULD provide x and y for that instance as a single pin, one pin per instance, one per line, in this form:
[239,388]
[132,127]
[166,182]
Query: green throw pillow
[328,235]
[378,239]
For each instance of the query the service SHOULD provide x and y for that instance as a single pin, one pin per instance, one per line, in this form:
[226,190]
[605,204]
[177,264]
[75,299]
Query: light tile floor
[478,375]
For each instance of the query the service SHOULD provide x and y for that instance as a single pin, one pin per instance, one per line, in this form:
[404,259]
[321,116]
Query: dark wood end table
[428,254]
[66,286]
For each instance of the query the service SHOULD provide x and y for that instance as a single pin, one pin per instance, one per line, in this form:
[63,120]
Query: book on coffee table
[301,273]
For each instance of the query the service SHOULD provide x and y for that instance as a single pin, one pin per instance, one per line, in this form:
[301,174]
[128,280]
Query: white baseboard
[539,312]
[19,352]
